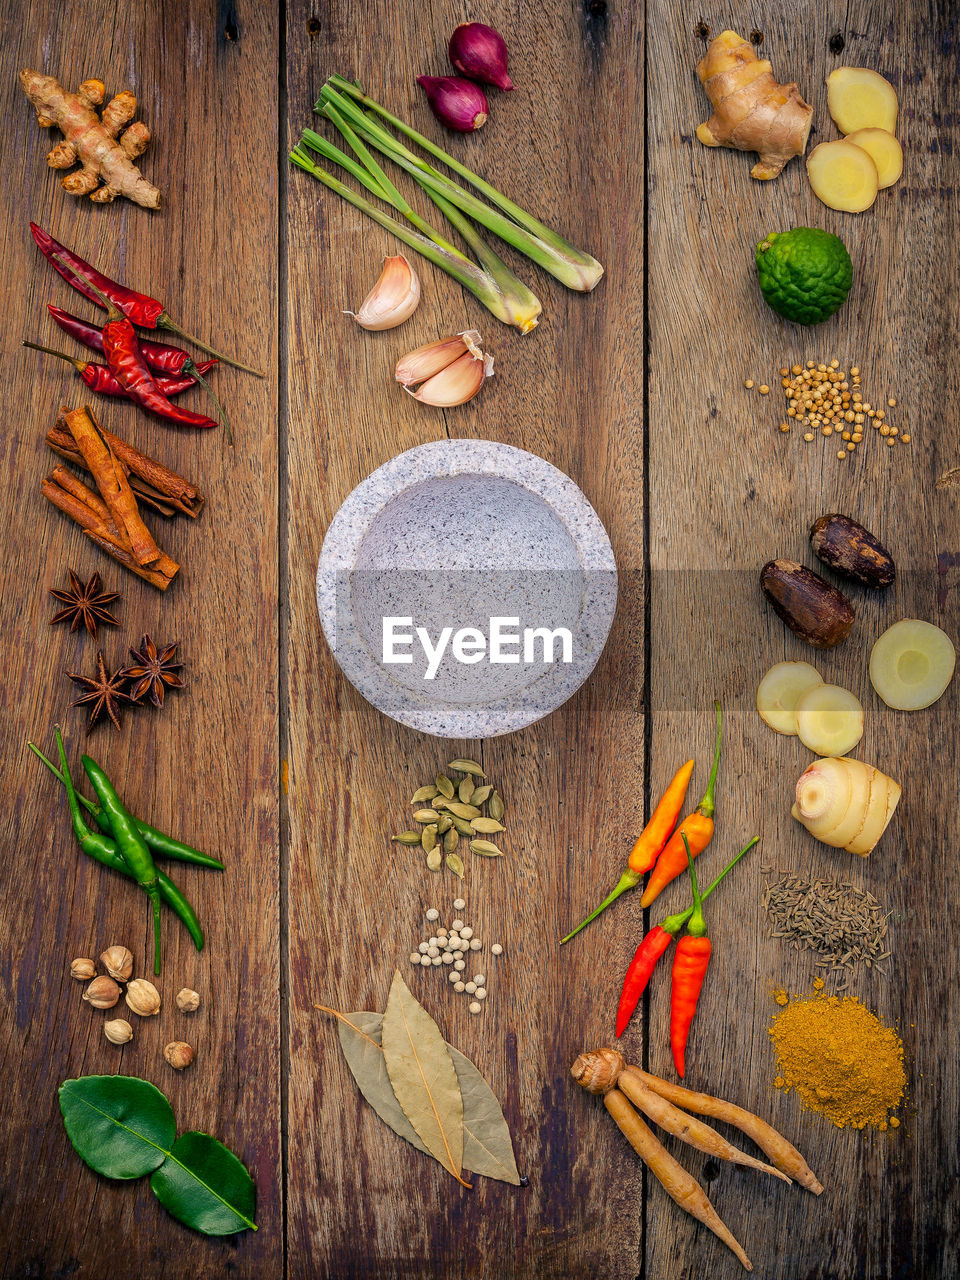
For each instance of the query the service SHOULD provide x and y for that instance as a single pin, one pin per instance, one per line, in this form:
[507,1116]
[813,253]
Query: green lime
[805,274]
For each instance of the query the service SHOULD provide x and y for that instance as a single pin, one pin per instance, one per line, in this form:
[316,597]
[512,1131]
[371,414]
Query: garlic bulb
[450,371]
[393,299]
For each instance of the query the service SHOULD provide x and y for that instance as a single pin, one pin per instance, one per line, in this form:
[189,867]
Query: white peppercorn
[459,965]
[481,993]
[496,949]
[475,944]
[414,957]
[433,914]
[479,979]
[471,987]
[458,904]
[436,960]
[474,1007]
[457,925]
[458,986]
[466,932]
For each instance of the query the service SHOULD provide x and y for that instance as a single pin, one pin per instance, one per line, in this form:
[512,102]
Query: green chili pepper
[158,841]
[130,843]
[104,851]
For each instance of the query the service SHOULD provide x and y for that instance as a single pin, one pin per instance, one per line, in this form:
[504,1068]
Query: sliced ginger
[861,99]
[884,150]
[843,176]
[751,110]
[912,664]
[781,689]
[829,720]
[106,145]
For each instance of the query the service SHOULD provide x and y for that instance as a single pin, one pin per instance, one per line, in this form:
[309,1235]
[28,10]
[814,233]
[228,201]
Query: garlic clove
[393,299]
[422,363]
[457,383]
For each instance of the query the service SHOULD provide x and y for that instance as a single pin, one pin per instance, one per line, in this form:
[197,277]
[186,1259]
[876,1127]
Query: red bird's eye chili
[689,970]
[125,361]
[654,944]
[99,378]
[139,308]
[160,356]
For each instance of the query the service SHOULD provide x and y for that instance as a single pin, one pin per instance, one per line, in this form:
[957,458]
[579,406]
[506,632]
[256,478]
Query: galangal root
[105,145]
[752,111]
[605,1072]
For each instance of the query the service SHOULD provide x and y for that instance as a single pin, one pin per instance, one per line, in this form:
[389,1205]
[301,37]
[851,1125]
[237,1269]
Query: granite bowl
[430,551]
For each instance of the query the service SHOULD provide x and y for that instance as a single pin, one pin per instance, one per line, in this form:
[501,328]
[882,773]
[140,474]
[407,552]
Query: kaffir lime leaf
[805,274]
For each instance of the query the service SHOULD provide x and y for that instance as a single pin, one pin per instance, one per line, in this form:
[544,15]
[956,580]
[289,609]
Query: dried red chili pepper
[125,361]
[654,944]
[139,308]
[99,378]
[160,356]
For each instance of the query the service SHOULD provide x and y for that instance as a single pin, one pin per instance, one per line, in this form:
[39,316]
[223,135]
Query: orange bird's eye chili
[649,843]
[689,970]
[655,943]
[698,828]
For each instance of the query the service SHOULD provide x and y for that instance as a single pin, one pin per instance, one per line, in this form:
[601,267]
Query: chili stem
[673,924]
[629,880]
[164,322]
[79,365]
[696,926]
[706,805]
[191,370]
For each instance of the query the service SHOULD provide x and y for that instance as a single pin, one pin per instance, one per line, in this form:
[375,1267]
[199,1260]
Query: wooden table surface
[271,759]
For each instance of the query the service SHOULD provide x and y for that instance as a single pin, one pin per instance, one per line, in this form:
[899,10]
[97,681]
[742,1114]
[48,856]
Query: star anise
[154,670]
[86,604]
[104,692]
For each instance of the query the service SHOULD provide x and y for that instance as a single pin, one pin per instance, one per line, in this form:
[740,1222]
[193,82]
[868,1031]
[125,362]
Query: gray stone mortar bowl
[452,535]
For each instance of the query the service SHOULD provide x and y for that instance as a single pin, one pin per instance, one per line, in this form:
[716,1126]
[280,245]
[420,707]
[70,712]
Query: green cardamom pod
[455,863]
[428,839]
[424,794]
[444,786]
[450,840]
[409,838]
[495,808]
[485,849]
[467,766]
[487,826]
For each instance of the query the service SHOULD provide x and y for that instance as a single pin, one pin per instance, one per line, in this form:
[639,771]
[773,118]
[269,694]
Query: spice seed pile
[445,811]
[822,399]
[451,947]
[841,924]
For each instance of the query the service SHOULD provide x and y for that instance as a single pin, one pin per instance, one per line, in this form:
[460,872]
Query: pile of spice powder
[840,1058]
[840,923]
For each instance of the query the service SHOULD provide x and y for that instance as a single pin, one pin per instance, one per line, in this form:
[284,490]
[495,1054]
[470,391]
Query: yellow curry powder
[840,1058]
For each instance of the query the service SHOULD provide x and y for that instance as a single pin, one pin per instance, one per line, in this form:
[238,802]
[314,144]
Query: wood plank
[569,145]
[729,491]
[206,766]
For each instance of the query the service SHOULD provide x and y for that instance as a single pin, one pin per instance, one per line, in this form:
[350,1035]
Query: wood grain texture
[359,1201]
[205,767]
[696,494]
[751,493]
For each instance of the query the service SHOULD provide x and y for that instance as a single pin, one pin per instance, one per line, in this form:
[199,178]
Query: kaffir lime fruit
[805,274]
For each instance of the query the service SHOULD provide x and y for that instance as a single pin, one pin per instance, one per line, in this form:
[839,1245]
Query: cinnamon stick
[74,485]
[77,502]
[113,484]
[150,480]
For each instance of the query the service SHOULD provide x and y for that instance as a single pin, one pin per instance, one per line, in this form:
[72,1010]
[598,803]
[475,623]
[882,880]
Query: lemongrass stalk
[376,182]
[590,270]
[466,273]
[537,249]
[525,304]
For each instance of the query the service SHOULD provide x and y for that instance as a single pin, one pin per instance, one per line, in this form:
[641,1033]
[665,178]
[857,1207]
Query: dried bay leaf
[487,1146]
[423,1076]
[360,1041]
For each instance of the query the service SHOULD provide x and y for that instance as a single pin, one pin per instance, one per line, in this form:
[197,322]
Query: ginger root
[751,110]
[106,146]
